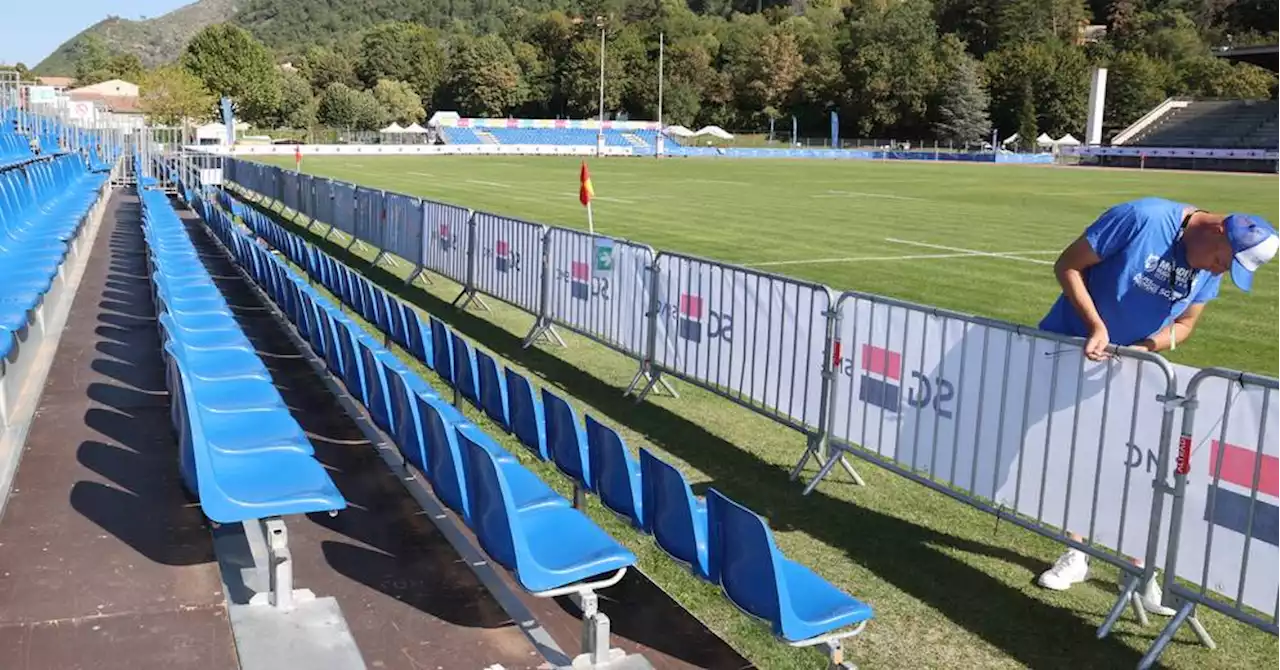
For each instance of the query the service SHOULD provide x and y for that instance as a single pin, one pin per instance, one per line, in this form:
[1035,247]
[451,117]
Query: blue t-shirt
[1144,281]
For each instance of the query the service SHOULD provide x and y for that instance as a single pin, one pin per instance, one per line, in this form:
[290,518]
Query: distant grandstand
[1186,133]
[548,132]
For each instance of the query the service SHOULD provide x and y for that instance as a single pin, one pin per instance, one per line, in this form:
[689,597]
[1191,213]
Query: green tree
[399,100]
[1056,74]
[771,75]
[171,95]
[232,63]
[297,104]
[1039,20]
[1136,83]
[960,101]
[1213,77]
[322,66]
[338,106]
[404,52]
[890,68]
[369,114]
[1027,132]
[486,77]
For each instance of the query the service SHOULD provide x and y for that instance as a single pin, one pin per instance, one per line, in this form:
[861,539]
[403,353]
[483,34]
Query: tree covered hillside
[893,68]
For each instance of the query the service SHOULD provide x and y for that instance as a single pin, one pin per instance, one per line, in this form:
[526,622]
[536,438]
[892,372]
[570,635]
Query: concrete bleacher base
[24,370]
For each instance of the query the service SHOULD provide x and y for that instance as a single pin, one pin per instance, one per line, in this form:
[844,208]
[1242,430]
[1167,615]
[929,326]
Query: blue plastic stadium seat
[797,603]
[528,420]
[546,547]
[493,390]
[466,376]
[442,350]
[672,514]
[567,440]
[615,474]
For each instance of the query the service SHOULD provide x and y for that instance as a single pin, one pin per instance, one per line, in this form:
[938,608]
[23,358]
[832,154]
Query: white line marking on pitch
[421,174]
[811,261]
[487,183]
[974,252]
[859,194]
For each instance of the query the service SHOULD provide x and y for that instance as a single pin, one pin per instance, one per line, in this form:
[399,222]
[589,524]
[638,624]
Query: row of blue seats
[521,523]
[552,136]
[720,540]
[241,452]
[42,209]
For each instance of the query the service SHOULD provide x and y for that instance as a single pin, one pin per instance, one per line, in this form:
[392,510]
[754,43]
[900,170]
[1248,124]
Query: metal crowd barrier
[1010,420]
[1222,550]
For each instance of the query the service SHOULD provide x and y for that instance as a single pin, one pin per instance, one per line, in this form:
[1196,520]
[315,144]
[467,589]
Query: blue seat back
[444,460]
[442,348]
[493,512]
[566,440]
[465,376]
[528,421]
[615,475]
[742,556]
[493,390]
[675,518]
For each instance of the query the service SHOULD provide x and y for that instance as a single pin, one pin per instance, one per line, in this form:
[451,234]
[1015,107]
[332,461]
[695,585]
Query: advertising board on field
[508,260]
[598,286]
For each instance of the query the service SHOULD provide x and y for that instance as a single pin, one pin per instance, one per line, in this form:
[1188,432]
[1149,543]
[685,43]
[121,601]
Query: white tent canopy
[415,128]
[1044,140]
[679,131]
[1009,140]
[1068,141]
[715,131]
[393,128]
[444,119]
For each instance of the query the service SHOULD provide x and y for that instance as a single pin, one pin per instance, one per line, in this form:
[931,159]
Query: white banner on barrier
[404,227]
[446,239]
[344,207]
[995,413]
[1226,464]
[599,286]
[508,259]
[754,336]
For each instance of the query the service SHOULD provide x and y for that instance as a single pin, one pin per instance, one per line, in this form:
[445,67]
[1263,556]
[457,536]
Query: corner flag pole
[585,192]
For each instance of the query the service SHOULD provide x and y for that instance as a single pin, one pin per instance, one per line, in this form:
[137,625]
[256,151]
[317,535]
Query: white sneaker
[1151,597]
[1071,568]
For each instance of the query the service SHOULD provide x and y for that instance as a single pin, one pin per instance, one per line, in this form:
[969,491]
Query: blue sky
[32,29]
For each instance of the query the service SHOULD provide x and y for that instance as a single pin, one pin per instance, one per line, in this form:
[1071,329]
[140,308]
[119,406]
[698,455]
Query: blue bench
[550,547]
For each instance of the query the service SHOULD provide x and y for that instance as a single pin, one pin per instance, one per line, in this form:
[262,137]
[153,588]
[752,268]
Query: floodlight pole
[600,131]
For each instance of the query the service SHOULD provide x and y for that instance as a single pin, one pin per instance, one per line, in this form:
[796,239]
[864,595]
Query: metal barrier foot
[1128,595]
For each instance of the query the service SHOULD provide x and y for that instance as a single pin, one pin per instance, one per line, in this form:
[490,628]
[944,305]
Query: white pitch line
[860,194]
[421,174]
[488,183]
[974,252]
[851,259]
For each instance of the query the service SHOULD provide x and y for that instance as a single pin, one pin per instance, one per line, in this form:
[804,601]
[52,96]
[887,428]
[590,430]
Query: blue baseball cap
[1253,242]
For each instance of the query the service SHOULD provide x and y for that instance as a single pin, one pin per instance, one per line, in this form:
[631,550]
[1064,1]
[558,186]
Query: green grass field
[950,586]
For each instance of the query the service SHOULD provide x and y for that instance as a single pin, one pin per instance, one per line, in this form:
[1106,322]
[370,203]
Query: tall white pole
[661,48]
[600,133]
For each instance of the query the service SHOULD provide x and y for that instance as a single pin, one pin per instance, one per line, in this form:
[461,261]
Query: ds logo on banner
[447,240]
[504,258]
[689,320]
[880,381]
[582,285]
[1230,503]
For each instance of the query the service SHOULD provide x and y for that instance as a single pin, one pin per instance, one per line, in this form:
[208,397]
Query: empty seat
[547,547]
[493,389]
[798,605]
[566,440]
[673,515]
[465,375]
[615,474]
[528,419]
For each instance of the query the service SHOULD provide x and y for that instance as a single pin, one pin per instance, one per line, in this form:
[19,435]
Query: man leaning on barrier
[1140,276]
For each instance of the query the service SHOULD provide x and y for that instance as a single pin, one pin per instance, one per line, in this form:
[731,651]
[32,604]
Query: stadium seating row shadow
[717,539]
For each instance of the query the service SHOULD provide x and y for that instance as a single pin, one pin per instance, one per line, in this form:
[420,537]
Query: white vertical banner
[508,259]
[446,240]
[1024,422]
[752,336]
[599,287]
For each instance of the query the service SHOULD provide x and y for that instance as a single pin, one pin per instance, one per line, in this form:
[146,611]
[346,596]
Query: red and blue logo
[502,256]
[446,240]
[1231,503]
[580,281]
[881,382]
[689,326]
